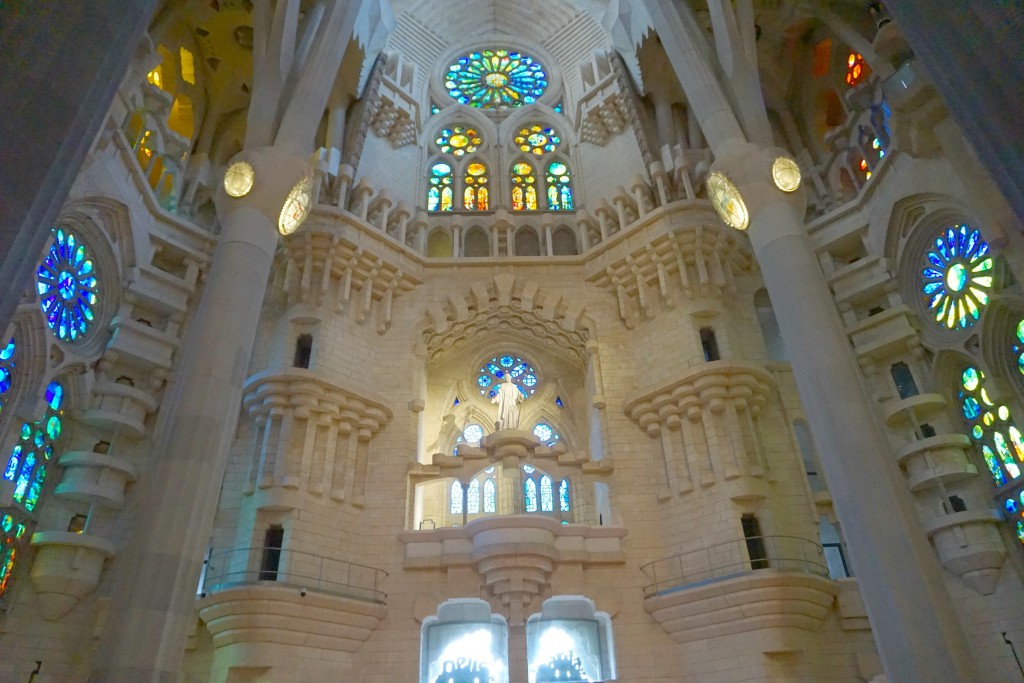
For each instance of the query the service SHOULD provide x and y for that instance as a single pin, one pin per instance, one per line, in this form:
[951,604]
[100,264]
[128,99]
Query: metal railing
[731,559]
[257,566]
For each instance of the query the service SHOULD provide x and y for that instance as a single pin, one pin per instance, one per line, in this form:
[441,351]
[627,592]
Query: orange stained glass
[481,199]
[524,187]
[517,199]
[856,69]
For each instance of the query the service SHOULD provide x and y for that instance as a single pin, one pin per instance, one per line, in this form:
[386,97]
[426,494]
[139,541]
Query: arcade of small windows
[540,494]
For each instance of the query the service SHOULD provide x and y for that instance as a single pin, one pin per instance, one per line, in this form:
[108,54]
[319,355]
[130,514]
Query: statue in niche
[508,399]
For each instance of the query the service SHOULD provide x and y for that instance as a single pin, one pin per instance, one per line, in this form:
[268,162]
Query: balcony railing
[259,566]
[732,559]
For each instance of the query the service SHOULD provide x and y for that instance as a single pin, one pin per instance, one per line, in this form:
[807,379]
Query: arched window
[473,497]
[476,196]
[559,185]
[440,192]
[26,466]
[564,503]
[471,435]
[524,187]
[67,286]
[856,69]
[530,495]
[455,495]
[10,533]
[956,279]
[6,373]
[547,497]
[490,497]
[537,139]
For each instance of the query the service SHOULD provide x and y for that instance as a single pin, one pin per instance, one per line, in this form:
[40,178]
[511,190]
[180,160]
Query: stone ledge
[288,615]
[776,602]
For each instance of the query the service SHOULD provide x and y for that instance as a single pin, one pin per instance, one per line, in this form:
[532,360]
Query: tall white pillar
[154,596]
[904,591]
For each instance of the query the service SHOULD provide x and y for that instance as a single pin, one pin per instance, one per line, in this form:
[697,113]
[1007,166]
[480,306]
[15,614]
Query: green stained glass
[956,277]
[26,466]
[53,428]
[496,79]
[971,378]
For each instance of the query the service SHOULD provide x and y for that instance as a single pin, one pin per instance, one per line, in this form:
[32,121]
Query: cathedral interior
[492,342]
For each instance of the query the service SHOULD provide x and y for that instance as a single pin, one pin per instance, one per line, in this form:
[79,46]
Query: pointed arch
[476,193]
[558,185]
[564,242]
[476,243]
[527,242]
[523,177]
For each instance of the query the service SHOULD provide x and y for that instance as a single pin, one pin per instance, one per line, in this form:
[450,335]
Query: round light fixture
[239,179]
[786,174]
[727,202]
[296,206]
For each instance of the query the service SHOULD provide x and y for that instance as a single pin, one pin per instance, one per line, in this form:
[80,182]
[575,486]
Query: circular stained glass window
[496,79]
[537,139]
[957,277]
[473,433]
[493,373]
[459,140]
[67,286]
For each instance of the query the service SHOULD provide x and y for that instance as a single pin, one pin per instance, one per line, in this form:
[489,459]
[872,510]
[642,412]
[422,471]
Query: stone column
[155,588]
[904,591]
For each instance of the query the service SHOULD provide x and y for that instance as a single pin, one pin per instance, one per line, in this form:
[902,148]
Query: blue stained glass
[38,439]
[54,395]
[563,496]
[5,380]
[558,401]
[491,372]
[13,463]
[547,498]
[956,278]
[67,290]
[971,408]
[1011,506]
[7,352]
[529,469]
[543,432]
[530,494]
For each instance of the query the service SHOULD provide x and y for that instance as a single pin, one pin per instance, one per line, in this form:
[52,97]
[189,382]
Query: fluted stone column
[156,584]
[911,614]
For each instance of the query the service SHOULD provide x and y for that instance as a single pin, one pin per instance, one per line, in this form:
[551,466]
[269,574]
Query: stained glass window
[1014,507]
[473,433]
[957,277]
[559,187]
[564,504]
[1018,346]
[456,498]
[11,531]
[490,496]
[545,434]
[475,196]
[459,140]
[496,79]
[26,466]
[67,286]
[991,427]
[6,372]
[493,372]
[547,498]
[524,187]
[530,495]
[537,139]
[856,69]
[440,193]
[473,497]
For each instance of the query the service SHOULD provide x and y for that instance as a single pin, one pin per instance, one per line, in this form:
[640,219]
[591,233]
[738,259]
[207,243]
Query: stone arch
[564,241]
[527,241]
[548,316]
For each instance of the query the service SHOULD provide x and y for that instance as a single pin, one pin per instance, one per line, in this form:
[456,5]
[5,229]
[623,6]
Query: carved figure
[508,399]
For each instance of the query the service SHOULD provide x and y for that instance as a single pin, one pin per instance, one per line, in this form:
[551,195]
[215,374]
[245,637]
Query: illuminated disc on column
[786,174]
[727,202]
[239,179]
[296,207]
